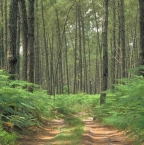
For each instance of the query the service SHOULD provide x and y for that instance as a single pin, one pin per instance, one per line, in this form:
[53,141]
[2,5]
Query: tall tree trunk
[141,20]
[118,54]
[11,52]
[85,81]
[2,54]
[24,28]
[59,66]
[52,84]
[105,54]
[80,48]
[67,70]
[98,53]
[122,37]
[75,52]
[113,69]
[30,76]
[18,48]
[5,34]
[37,49]
[45,49]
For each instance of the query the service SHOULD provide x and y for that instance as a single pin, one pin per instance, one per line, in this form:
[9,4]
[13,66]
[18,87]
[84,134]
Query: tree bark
[11,52]
[30,75]
[2,54]
[80,49]
[5,34]
[105,54]
[18,48]
[37,49]
[122,37]
[45,49]
[75,52]
[141,21]
[24,28]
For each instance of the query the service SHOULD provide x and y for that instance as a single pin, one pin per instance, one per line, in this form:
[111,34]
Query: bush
[7,138]
[124,108]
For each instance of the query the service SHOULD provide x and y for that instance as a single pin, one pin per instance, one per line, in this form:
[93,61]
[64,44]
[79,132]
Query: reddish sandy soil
[95,134]
[45,136]
[98,134]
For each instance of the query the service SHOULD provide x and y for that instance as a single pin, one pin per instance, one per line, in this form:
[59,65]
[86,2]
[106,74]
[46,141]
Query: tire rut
[98,134]
[95,134]
[45,136]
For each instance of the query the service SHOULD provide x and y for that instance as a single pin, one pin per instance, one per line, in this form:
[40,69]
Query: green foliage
[21,108]
[124,108]
[72,133]
[7,138]
[67,104]
[73,121]
[65,89]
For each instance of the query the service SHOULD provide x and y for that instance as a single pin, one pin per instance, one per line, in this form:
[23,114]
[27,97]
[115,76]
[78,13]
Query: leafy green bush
[7,138]
[20,107]
[67,104]
[124,108]
[23,109]
[73,121]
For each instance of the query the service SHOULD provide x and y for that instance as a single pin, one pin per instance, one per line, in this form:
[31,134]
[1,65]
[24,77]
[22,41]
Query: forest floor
[95,134]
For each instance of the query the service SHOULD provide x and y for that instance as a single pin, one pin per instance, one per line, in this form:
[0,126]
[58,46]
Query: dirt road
[45,136]
[95,134]
[98,134]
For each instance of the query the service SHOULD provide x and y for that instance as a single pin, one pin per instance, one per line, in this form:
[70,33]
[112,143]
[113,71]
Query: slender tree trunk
[113,70]
[24,28]
[67,70]
[5,34]
[85,82]
[52,84]
[11,52]
[89,69]
[141,20]
[80,49]
[118,54]
[2,54]
[105,54]
[98,53]
[45,49]
[30,75]
[59,67]
[18,48]
[122,32]
[37,49]
[75,52]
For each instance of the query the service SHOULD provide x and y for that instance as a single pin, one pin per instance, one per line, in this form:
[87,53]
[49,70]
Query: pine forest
[64,63]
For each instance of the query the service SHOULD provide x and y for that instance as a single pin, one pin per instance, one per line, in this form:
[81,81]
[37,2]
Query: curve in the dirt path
[98,134]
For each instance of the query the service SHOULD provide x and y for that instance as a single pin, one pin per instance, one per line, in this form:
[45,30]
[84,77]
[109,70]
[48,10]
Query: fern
[124,108]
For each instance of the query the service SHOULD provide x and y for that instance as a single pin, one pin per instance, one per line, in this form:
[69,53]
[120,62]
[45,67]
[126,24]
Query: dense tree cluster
[71,46]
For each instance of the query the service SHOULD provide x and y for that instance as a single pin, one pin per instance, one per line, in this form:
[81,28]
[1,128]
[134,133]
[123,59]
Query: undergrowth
[20,109]
[70,104]
[124,108]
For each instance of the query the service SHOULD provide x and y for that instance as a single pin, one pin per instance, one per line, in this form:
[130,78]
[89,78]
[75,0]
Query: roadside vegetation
[124,108]
[22,110]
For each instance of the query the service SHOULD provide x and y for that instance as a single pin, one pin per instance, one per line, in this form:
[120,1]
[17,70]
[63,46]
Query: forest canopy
[68,55]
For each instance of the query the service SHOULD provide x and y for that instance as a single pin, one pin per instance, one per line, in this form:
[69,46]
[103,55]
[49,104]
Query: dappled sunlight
[58,133]
[96,133]
[46,135]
